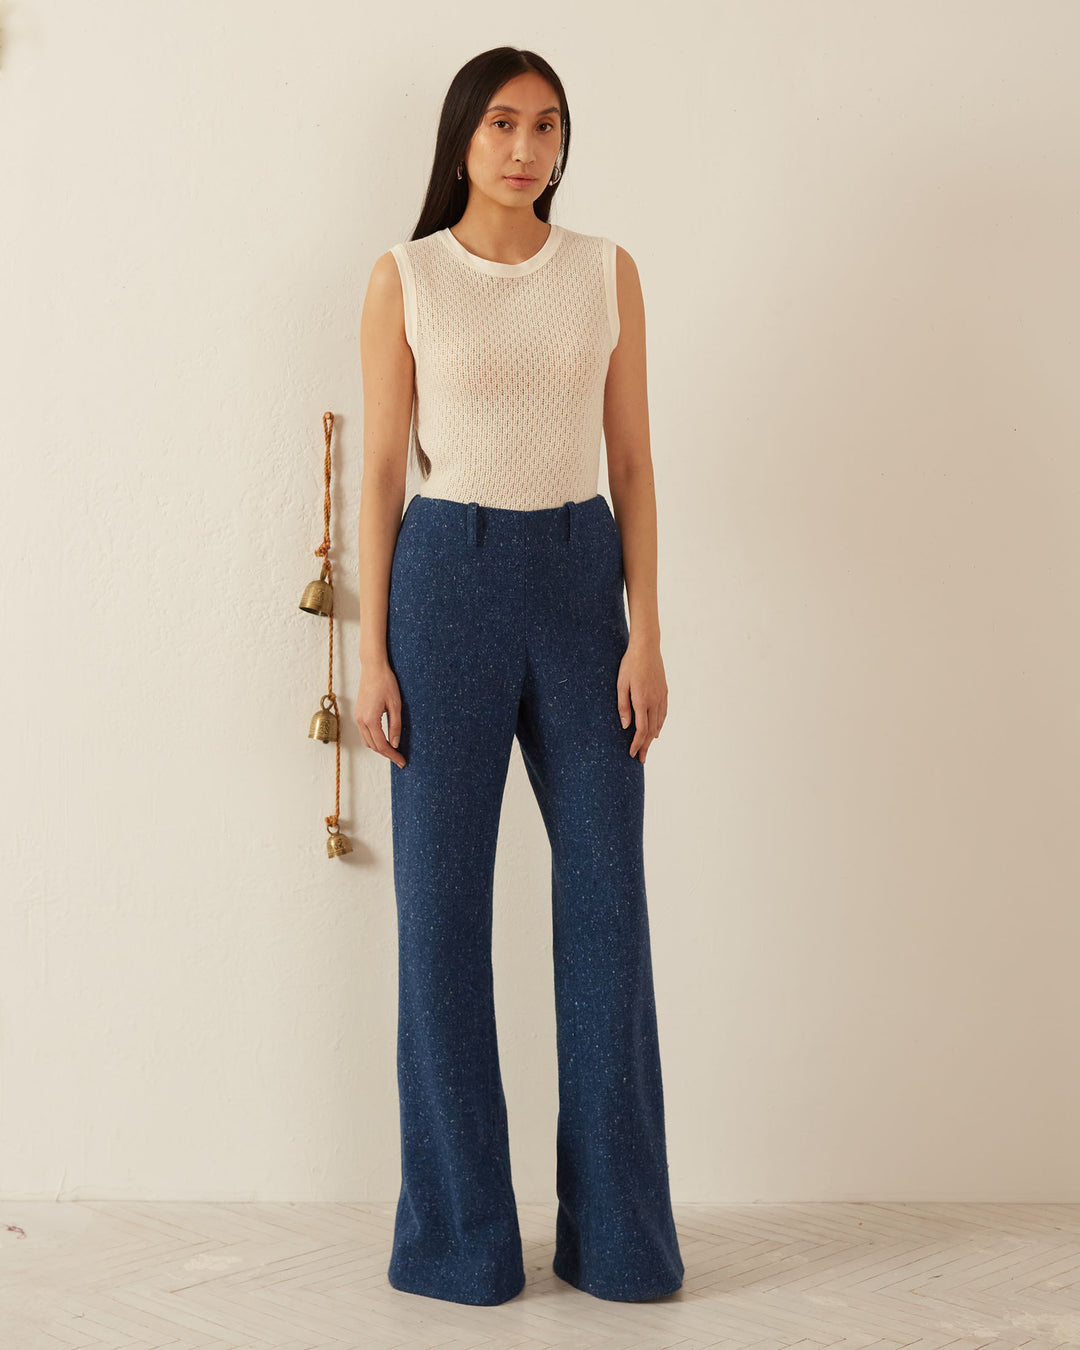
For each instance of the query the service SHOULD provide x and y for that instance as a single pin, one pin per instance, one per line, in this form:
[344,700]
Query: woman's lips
[519,182]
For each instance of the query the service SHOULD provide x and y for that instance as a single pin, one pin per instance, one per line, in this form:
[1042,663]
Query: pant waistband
[551,522]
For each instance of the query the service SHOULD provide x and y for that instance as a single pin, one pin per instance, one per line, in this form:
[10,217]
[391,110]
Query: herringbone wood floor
[758,1277]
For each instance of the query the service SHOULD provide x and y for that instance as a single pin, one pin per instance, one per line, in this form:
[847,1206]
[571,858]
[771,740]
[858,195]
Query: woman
[494,609]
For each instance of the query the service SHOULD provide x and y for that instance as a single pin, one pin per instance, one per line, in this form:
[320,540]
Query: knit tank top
[510,365]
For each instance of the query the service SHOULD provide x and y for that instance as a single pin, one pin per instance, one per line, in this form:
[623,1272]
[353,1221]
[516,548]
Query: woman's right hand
[379,693]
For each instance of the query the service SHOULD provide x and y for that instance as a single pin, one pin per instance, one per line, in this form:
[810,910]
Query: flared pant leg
[615,1232]
[454,641]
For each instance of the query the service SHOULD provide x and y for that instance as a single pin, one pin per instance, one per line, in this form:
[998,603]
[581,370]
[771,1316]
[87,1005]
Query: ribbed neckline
[500,269]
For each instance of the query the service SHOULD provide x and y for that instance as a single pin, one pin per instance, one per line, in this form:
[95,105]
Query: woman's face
[519,134]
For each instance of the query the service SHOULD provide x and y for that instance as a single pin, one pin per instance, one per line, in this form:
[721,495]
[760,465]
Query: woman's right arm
[387,364]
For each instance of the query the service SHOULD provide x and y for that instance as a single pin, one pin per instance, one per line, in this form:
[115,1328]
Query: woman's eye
[501,121]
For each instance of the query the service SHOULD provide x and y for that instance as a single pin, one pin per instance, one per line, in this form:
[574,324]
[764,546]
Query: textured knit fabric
[505,624]
[510,364]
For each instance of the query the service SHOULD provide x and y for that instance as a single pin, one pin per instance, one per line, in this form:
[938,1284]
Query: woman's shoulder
[615,257]
[582,238]
[596,250]
[415,248]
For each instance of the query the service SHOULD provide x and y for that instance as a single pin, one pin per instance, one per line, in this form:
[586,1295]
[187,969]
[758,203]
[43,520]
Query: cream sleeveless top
[510,365]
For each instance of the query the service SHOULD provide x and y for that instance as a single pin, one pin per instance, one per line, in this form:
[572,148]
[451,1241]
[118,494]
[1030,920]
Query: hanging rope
[318,599]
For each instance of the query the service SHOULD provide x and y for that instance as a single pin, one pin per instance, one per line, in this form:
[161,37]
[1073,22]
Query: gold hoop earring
[460,167]
[556,175]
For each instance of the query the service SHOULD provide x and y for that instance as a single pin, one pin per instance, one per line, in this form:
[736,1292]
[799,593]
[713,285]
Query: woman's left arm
[642,685]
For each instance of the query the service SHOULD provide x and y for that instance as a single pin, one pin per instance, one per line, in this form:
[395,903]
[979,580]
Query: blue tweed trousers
[505,623]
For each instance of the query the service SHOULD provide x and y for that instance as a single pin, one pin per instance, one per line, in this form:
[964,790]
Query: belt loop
[569,521]
[471,520]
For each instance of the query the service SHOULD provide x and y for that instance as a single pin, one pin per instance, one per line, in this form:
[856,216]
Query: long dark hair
[463,107]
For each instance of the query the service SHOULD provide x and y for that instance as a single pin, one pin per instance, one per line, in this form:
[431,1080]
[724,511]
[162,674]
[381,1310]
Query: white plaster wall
[856,227]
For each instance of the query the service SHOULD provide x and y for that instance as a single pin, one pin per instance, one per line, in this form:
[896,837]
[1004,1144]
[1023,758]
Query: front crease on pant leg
[615,1231]
[455,643]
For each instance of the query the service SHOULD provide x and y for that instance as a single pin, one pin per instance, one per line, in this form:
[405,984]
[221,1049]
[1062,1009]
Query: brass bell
[324,726]
[318,597]
[337,845]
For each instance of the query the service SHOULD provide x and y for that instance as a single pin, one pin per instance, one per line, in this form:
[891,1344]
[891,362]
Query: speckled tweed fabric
[502,623]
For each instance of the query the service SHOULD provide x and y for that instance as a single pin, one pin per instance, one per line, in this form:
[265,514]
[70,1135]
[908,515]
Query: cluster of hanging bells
[318,598]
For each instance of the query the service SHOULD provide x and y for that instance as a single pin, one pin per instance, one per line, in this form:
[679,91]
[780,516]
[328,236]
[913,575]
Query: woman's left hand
[642,686]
